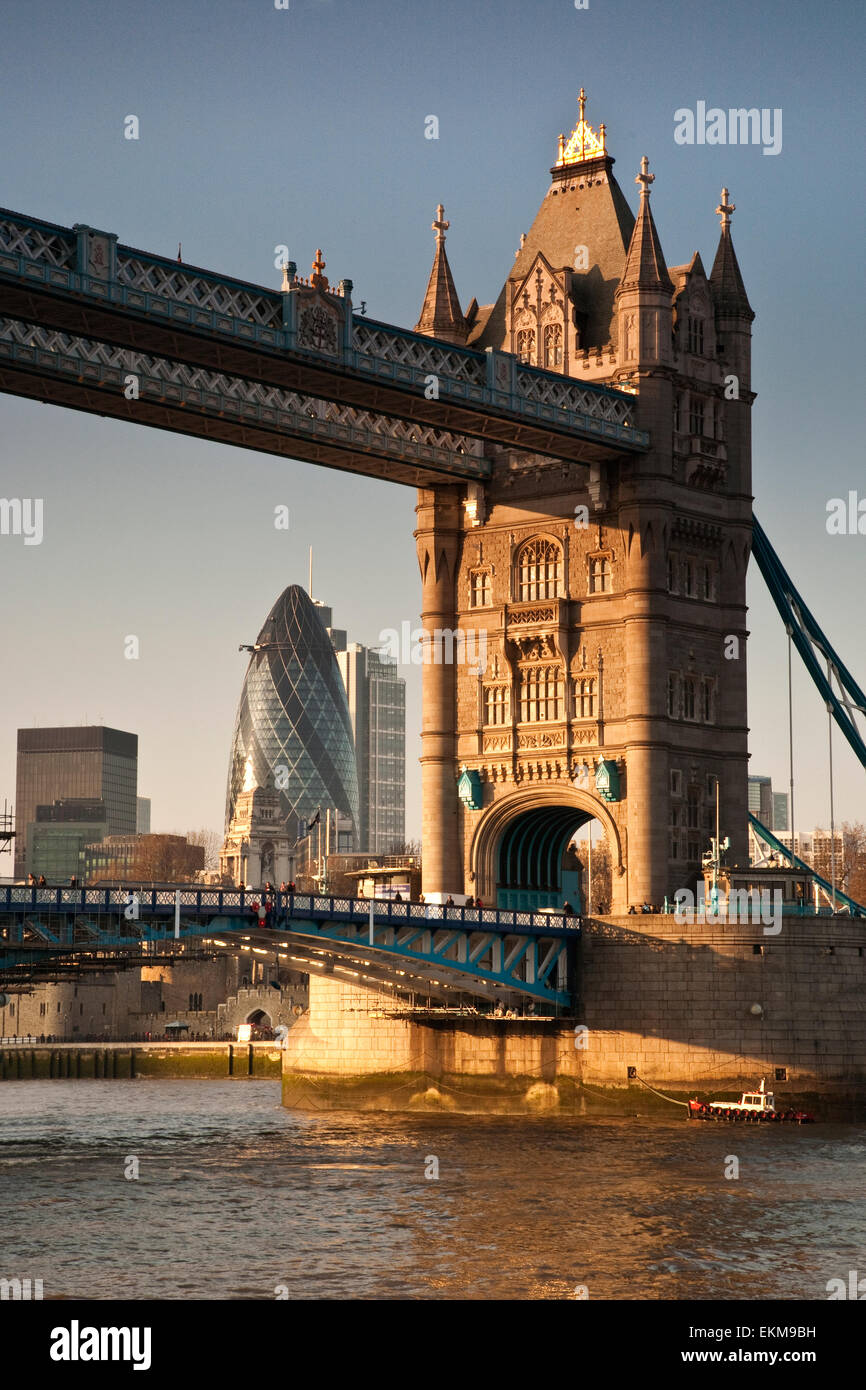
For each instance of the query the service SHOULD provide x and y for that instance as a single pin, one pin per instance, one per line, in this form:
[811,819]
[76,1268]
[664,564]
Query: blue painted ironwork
[469,789]
[47,256]
[812,644]
[607,780]
[523,951]
[530,857]
[855,908]
[270,415]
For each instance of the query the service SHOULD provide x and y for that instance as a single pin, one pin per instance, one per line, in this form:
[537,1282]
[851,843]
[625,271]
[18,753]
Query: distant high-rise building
[292,731]
[57,838]
[761,799]
[142,815]
[79,762]
[780,811]
[377,705]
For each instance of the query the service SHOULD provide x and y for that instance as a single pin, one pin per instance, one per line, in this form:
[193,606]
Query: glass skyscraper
[377,704]
[761,800]
[293,730]
[89,761]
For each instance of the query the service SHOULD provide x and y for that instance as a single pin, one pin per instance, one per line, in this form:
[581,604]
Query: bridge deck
[139,303]
[479,950]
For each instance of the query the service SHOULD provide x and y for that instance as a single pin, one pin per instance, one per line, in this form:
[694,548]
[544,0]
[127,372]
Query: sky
[305,126]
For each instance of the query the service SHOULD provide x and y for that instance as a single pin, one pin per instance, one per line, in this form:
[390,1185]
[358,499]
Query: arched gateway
[516,855]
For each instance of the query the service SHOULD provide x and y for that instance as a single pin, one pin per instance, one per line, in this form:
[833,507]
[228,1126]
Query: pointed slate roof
[584,207]
[441,315]
[645,267]
[726,282]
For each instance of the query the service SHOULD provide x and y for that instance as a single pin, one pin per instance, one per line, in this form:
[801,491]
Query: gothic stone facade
[613,599]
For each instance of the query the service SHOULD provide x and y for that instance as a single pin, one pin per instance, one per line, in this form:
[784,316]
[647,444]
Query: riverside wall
[23,1061]
[690,1009]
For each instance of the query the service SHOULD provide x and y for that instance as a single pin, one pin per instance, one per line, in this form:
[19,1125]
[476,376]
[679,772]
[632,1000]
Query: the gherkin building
[293,731]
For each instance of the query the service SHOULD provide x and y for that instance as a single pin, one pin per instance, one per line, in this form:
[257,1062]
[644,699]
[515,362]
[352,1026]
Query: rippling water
[237,1196]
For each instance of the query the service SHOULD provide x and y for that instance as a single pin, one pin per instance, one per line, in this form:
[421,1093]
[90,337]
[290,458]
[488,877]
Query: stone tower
[609,599]
[257,846]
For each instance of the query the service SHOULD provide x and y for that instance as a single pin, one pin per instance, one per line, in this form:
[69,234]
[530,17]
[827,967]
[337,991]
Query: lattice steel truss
[220,396]
[480,951]
[47,275]
[847,700]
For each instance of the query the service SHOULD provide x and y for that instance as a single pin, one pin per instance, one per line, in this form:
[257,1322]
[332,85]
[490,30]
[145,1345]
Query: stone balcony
[699,461]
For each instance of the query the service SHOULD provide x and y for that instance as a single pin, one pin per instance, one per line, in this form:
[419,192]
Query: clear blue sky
[305,126]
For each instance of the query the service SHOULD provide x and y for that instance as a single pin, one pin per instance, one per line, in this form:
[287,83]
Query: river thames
[237,1197]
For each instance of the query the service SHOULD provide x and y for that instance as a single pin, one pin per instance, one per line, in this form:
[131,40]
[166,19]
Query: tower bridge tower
[606,601]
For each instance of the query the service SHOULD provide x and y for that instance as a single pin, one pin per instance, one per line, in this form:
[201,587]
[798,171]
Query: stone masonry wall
[678,1003]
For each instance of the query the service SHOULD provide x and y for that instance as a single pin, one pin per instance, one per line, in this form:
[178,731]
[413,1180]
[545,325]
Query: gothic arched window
[539,565]
[600,577]
[526,344]
[540,694]
[479,589]
[553,345]
[496,704]
[585,698]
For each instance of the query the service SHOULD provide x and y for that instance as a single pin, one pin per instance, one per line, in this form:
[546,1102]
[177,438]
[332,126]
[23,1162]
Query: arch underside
[516,855]
[531,873]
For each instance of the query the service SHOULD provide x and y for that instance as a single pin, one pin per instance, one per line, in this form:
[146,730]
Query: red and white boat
[755,1106]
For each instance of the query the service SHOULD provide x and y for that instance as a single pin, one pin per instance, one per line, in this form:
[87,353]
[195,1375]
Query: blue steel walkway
[480,950]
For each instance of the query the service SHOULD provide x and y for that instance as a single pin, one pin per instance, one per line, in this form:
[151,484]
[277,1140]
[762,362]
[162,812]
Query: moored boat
[753,1106]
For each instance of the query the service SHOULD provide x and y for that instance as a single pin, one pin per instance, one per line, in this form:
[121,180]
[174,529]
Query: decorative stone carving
[538,646]
[497,743]
[531,615]
[317,329]
[555,739]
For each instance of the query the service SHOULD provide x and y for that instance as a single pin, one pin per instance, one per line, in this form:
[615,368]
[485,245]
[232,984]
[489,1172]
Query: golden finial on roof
[583,142]
[317,279]
[725,209]
[440,226]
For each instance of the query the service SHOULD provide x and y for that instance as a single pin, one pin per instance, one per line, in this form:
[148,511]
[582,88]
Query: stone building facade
[610,598]
[257,848]
[210,996]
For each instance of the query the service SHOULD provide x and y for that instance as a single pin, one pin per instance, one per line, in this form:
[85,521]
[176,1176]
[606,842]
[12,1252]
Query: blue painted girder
[808,638]
[534,962]
[523,951]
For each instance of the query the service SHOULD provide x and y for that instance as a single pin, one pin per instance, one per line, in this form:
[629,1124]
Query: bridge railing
[44,253]
[228,902]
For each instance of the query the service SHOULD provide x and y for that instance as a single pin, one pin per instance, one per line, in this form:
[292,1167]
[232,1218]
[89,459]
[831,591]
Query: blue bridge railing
[150,903]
